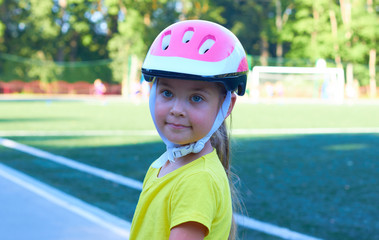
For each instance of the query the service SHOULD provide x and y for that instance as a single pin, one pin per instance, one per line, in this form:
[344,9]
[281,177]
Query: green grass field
[322,185]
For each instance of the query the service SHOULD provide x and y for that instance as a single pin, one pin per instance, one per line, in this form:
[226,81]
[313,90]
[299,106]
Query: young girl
[195,66]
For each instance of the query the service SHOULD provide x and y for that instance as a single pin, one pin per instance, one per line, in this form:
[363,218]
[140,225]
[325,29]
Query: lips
[177,125]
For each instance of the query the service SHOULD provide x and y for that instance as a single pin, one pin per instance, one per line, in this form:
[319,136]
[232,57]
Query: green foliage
[244,18]
[86,30]
[26,69]
[2,29]
[45,70]
[310,32]
[361,72]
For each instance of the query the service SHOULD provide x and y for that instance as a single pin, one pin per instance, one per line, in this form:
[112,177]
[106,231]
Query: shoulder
[149,176]
[196,180]
[211,166]
[206,173]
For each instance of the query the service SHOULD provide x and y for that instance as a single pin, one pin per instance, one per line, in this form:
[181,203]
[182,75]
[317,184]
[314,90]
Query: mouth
[177,126]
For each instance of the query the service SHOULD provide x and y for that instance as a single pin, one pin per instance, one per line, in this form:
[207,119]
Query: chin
[180,142]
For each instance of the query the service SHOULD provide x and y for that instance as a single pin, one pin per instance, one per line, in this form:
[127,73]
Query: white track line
[247,222]
[236,132]
[75,205]
[129,182]
[89,133]
[270,229]
[303,131]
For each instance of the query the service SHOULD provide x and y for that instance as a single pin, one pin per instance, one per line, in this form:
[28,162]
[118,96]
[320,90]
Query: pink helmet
[198,50]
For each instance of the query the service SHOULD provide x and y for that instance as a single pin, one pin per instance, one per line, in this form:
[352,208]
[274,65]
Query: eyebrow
[194,89]
[163,84]
[201,90]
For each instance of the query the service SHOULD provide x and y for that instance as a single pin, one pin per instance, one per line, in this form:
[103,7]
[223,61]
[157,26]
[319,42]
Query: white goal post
[322,83]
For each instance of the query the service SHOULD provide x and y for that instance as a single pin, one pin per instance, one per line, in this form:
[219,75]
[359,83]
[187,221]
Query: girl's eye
[196,98]
[167,93]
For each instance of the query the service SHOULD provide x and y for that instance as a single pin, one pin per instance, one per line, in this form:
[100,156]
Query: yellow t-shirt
[197,192]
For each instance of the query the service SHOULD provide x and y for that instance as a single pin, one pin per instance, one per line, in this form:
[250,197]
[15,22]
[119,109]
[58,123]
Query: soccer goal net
[297,82]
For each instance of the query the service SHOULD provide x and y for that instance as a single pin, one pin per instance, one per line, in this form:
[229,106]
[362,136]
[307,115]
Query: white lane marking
[286,131]
[26,133]
[75,205]
[270,228]
[129,182]
[240,219]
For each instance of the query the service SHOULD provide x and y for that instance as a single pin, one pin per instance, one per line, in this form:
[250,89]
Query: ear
[232,102]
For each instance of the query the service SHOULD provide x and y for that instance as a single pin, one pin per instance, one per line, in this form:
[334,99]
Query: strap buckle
[182,151]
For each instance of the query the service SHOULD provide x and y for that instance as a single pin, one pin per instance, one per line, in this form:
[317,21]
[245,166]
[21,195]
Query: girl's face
[185,110]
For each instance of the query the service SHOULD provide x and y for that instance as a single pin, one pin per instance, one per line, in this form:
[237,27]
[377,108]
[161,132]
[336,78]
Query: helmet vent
[207,44]
[166,40]
[187,35]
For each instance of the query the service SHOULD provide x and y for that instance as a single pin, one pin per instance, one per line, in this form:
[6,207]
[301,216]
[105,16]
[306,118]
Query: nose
[178,109]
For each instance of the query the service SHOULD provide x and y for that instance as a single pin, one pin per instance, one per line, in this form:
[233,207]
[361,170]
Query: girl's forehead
[179,83]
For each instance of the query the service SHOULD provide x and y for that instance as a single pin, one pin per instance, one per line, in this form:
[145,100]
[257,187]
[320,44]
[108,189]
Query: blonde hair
[220,141]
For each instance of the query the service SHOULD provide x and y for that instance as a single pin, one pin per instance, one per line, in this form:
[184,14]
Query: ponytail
[220,141]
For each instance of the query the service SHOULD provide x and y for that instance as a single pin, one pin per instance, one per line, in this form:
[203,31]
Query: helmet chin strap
[175,150]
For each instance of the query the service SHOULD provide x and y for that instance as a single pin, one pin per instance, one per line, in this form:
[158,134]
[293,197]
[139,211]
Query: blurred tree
[82,30]
[51,32]
[132,31]
[259,25]
[29,28]
[344,30]
[64,31]
[309,30]
[2,25]
[243,18]
[201,9]
[138,23]
[283,9]
[361,31]
[373,47]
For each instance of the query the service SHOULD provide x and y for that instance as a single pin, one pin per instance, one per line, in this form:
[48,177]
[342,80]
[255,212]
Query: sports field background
[322,184]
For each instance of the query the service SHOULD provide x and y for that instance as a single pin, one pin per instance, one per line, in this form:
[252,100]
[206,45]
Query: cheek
[206,118]
[203,122]
[159,113]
